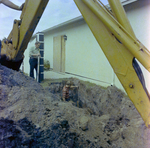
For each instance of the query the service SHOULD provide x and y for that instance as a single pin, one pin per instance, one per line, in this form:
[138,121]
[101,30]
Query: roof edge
[79,18]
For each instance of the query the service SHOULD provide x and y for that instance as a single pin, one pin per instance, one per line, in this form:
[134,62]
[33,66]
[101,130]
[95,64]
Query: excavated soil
[32,115]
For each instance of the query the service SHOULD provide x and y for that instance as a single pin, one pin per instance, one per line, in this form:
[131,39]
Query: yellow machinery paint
[24,28]
[120,46]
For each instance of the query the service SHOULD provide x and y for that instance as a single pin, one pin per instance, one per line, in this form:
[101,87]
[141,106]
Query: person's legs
[32,66]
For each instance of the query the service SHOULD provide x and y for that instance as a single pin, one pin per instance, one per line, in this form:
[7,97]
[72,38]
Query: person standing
[11,5]
[34,53]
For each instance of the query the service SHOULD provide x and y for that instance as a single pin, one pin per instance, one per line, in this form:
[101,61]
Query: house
[73,51]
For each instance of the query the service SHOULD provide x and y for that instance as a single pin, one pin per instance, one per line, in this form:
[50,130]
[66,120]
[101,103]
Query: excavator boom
[12,56]
[119,44]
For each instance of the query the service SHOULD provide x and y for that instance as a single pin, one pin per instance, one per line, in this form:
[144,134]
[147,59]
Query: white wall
[83,54]
[26,59]
[48,48]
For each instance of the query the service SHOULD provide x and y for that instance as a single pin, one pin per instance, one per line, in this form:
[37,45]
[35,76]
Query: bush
[46,65]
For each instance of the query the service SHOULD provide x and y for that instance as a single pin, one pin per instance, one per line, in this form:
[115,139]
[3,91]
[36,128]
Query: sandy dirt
[33,115]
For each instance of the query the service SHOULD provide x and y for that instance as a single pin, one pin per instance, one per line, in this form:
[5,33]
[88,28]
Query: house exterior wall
[84,57]
[83,54]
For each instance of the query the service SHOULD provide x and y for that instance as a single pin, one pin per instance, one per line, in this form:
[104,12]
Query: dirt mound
[96,117]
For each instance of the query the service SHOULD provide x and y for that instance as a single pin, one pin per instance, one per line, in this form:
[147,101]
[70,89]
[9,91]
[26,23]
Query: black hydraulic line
[140,75]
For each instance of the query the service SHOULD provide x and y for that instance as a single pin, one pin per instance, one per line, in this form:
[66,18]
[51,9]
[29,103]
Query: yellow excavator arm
[119,44]
[12,49]
[112,31]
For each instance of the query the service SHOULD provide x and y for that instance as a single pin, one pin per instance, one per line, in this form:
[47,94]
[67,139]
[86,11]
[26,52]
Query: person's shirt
[34,50]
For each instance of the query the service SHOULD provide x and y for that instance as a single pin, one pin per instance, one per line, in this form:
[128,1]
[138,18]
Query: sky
[56,12]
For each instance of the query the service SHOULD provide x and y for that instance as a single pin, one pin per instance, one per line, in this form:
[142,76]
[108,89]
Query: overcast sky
[56,12]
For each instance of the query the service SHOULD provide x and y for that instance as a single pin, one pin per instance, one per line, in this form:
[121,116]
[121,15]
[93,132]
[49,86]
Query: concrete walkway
[57,75]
